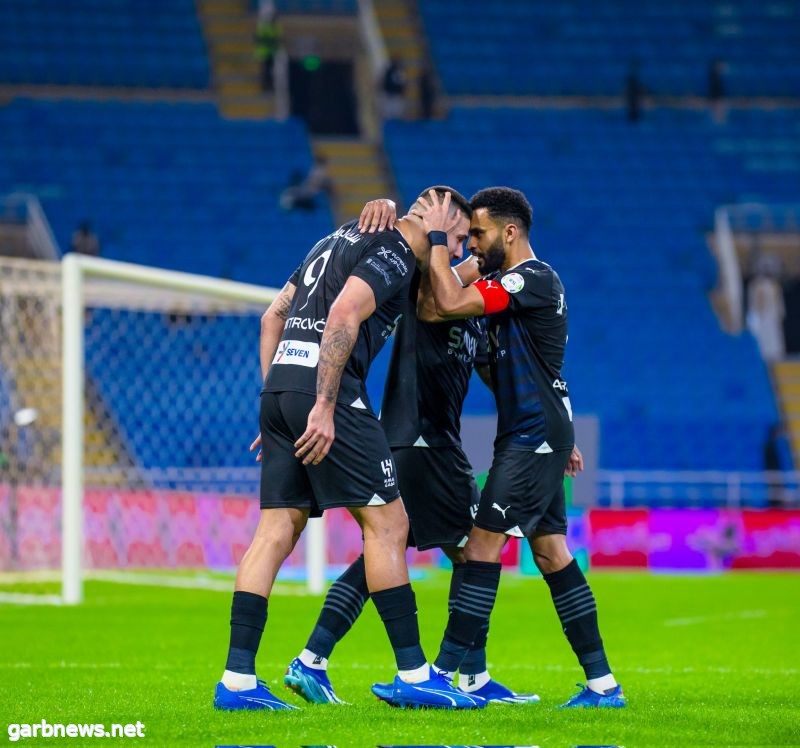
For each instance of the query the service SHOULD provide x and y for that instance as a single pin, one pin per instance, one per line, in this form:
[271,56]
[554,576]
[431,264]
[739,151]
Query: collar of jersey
[530,259]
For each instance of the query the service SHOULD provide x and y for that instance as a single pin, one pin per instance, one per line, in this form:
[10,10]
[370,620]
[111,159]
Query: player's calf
[577,610]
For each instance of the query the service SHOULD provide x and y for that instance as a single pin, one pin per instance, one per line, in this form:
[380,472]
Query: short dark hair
[456,198]
[505,203]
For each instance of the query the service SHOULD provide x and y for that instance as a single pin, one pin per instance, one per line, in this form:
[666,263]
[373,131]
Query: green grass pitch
[705,660]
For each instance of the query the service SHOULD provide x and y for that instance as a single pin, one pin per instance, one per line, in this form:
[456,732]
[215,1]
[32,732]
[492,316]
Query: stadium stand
[147,43]
[585,47]
[317,7]
[172,185]
[622,212]
[133,382]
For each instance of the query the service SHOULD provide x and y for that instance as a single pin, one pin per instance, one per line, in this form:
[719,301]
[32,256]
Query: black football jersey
[386,263]
[526,354]
[428,378]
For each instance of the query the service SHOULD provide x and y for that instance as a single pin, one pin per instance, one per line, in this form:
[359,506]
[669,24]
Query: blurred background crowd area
[658,141]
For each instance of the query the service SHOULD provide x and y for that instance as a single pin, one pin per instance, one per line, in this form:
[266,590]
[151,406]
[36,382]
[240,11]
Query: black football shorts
[439,494]
[357,471]
[524,493]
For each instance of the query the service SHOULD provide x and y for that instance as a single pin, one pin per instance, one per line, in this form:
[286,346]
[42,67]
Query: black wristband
[437,238]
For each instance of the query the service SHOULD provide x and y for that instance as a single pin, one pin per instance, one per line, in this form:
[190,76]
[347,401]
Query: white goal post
[76,269]
[96,338]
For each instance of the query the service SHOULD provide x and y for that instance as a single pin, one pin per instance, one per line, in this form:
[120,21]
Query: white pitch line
[61,665]
[740,615]
[27,598]
[202,583]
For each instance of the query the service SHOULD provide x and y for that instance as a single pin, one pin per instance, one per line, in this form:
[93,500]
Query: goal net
[128,399]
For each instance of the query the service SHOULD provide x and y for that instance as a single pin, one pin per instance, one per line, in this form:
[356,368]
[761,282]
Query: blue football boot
[587,699]
[311,684]
[259,697]
[497,693]
[437,692]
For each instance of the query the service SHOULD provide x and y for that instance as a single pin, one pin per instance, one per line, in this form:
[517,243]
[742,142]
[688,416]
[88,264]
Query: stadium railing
[698,488]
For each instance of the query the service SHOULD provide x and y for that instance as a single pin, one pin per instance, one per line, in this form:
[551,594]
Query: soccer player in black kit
[526,310]
[323,447]
[426,384]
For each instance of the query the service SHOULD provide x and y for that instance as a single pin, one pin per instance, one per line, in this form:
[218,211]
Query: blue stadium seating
[585,47]
[317,7]
[197,423]
[621,211]
[172,185]
[149,43]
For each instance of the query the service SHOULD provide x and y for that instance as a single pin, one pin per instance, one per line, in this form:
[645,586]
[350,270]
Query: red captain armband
[495,297]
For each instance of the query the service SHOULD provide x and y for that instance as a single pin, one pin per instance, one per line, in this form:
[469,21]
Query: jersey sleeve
[387,267]
[294,278]
[529,288]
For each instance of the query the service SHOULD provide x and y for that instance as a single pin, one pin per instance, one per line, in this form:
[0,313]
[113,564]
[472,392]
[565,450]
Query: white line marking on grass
[740,615]
[61,665]
[33,575]
[26,598]
[203,583]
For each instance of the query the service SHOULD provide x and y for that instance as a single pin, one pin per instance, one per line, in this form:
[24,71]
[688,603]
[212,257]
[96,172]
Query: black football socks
[470,613]
[343,605]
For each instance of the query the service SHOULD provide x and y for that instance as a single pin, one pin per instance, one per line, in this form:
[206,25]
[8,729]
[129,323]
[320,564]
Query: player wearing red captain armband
[526,310]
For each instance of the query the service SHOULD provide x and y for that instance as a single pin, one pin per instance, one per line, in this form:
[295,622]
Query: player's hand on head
[377,215]
[256,445]
[315,443]
[434,212]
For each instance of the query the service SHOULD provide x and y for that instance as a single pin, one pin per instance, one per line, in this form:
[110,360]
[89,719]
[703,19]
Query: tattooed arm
[354,304]
[272,322]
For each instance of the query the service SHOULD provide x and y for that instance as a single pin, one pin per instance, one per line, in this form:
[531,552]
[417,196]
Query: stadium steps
[14,239]
[229,30]
[787,381]
[38,385]
[401,29]
[358,171]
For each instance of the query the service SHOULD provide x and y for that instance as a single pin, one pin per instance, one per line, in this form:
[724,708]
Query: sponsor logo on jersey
[561,305]
[494,342]
[462,344]
[513,282]
[305,323]
[298,352]
[393,259]
[560,384]
[380,270]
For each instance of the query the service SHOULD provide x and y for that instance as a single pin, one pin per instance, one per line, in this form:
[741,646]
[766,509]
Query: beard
[493,258]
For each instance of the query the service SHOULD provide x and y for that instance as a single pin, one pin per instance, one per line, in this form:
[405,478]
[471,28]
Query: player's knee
[550,553]
[387,524]
[280,529]
[454,553]
[484,545]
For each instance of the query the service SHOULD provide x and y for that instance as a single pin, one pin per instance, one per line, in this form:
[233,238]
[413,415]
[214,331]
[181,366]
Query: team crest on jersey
[513,282]
[387,468]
